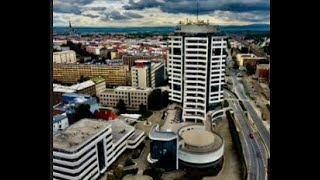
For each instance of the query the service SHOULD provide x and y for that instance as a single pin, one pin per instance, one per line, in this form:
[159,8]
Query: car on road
[258,155]
[239,75]
[251,135]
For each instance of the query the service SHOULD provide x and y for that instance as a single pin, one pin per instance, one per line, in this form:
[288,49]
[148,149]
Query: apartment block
[71,73]
[64,57]
[131,96]
[147,74]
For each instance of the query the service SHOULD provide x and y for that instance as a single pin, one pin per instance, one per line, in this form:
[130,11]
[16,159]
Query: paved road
[253,149]
[255,51]
[257,120]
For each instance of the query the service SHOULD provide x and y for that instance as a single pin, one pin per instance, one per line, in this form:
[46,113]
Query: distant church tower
[71,31]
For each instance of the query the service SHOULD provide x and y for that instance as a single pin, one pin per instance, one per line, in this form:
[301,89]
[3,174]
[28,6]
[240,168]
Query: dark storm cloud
[66,8]
[253,16]
[94,8]
[116,15]
[98,8]
[91,15]
[133,15]
[205,6]
[70,6]
[79,2]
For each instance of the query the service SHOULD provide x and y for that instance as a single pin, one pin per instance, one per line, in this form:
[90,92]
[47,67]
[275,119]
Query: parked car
[251,135]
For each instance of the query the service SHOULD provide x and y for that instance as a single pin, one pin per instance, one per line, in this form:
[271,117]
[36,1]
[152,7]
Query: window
[176,87]
[176,51]
[217,51]
[214,88]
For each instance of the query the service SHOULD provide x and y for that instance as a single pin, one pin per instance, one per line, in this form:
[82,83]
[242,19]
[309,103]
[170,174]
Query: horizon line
[263,24]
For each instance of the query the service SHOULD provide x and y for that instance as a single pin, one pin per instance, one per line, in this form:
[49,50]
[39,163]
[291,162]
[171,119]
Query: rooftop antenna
[197,10]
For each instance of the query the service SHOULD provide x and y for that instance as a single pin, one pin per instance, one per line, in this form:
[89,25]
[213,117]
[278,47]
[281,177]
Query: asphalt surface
[257,120]
[253,149]
[254,50]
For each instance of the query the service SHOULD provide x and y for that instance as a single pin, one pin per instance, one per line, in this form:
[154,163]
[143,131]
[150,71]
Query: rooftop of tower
[194,27]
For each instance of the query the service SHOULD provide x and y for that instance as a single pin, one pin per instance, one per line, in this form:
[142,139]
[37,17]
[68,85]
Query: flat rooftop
[119,129]
[83,85]
[131,88]
[194,145]
[63,52]
[137,177]
[59,117]
[172,119]
[136,133]
[108,91]
[98,79]
[73,88]
[198,138]
[79,133]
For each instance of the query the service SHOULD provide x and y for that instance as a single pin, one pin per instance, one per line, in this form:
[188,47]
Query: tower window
[214,88]
[176,51]
[217,51]
[176,87]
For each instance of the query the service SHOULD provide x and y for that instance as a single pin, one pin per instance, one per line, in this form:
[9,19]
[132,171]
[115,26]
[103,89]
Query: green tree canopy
[142,109]
[121,106]
[82,111]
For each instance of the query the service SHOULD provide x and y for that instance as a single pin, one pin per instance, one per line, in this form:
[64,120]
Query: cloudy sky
[137,13]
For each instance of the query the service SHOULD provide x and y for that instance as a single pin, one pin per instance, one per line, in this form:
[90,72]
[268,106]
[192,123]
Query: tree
[142,109]
[235,65]
[165,98]
[110,176]
[129,162]
[119,172]
[121,106]
[155,100]
[225,104]
[244,50]
[81,60]
[82,111]
[93,56]
[228,44]
[250,69]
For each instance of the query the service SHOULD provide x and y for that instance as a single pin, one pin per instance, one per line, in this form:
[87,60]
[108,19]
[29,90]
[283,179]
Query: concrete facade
[71,73]
[196,70]
[66,57]
[131,96]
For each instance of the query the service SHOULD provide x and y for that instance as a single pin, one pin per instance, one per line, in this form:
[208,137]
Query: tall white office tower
[196,69]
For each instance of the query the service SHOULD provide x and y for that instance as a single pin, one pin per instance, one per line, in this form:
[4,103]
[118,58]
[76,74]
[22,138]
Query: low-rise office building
[100,84]
[67,57]
[60,122]
[131,96]
[71,101]
[244,59]
[147,74]
[87,148]
[129,59]
[93,49]
[263,73]
[71,73]
[87,87]
[185,145]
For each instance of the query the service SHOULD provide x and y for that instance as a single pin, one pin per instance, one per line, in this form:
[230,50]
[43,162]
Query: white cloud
[93,13]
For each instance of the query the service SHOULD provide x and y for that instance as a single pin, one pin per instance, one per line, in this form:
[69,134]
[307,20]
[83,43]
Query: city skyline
[143,13]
